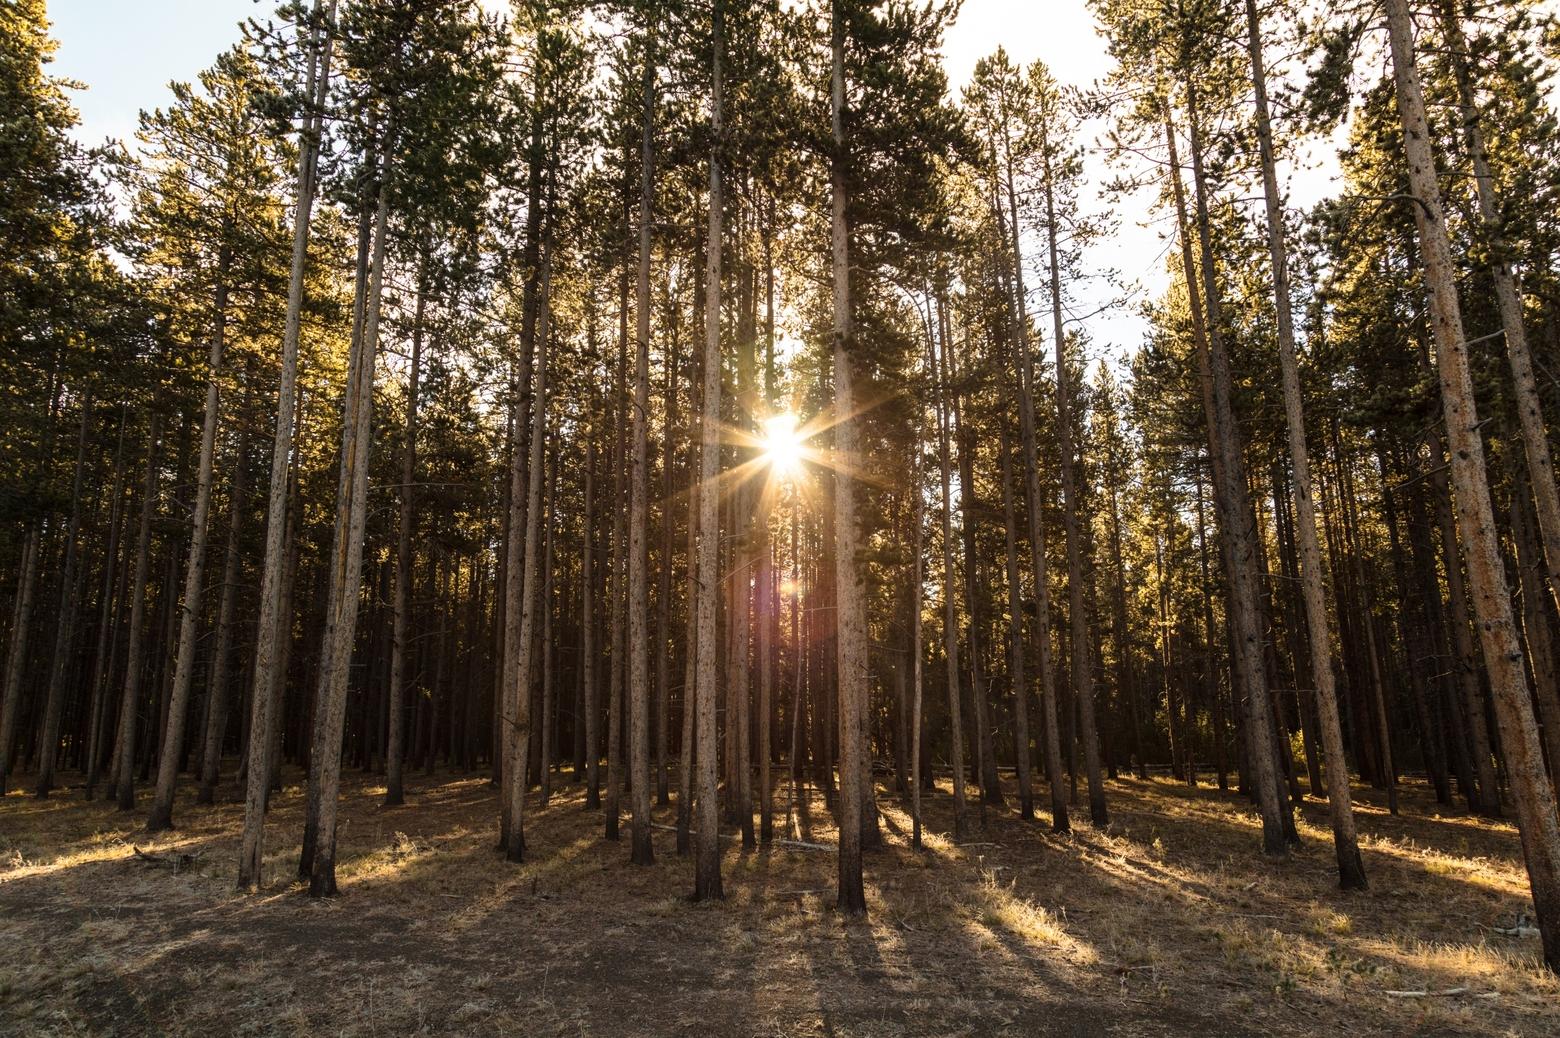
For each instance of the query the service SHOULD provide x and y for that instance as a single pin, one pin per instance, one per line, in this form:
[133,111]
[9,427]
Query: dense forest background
[693,405]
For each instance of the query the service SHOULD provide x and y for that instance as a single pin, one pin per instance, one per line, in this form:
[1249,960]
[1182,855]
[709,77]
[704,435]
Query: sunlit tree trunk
[1026,797]
[345,591]
[251,853]
[524,590]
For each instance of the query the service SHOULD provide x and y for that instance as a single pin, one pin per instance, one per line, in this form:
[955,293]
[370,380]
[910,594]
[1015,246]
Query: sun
[782,444]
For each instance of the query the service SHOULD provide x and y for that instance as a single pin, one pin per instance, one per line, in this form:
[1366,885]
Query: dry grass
[1170,922]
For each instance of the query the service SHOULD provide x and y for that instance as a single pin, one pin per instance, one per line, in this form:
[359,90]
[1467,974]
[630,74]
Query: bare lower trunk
[520,639]
[319,834]
[65,629]
[1078,590]
[850,609]
[1231,498]
[1351,868]
[1020,682]
[707,884]
[161,816]
[395,742]
[130,703]
[938,357]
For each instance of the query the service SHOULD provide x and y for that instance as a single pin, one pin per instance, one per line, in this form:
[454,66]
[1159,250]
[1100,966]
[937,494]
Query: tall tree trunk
[706,884]
[1533,795]
[129,705]
[395,742]
[588,650]
[15,665]
[1024,370]
[1351,868]
[103,655]
[549,707]
[65,629]
[161,816]
[345,592]
[1078,583]
[850,609]
[524,589]
[1231,500]
[642,851]
[1020,682]
[938,349]
[251,852]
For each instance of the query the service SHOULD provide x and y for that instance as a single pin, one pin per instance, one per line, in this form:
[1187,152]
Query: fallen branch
[178,862]
[1448,993]
[803,845]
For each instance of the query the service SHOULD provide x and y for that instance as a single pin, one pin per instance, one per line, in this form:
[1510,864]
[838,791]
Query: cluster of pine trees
[704,391]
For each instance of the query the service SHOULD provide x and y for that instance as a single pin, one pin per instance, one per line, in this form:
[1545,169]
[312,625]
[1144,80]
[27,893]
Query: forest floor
[1170,922]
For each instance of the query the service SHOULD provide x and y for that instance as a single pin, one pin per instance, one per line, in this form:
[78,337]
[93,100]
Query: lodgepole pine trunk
[1530,414]
[1231,498]
[65,629]
[1351,868]
[217,694]
[1078,589]
[395,742]
[850,608]
[161,815]
[251,852]
[21,624]
[103,654]
[520,646]
[345,593]
[588,629]
[1023,363]
[937,357]
[1026,796]
[707,884]
[642,851]
[1532,793]
[129,704]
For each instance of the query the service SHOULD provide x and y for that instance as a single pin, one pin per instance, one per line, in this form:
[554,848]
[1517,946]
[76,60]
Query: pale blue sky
[127,51]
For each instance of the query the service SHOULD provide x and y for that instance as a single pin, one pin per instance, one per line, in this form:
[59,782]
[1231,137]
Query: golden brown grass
[1170,922]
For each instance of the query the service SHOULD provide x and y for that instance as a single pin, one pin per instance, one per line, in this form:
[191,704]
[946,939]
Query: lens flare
[782,444]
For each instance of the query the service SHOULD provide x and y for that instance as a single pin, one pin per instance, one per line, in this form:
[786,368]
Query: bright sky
[126,52]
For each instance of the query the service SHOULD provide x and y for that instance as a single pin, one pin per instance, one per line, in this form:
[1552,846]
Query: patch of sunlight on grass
[1492,874]
[1513,967]
[394,857]
[997,904]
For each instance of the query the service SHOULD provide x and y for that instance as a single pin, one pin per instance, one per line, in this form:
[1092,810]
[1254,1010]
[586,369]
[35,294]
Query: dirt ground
[1170,922]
